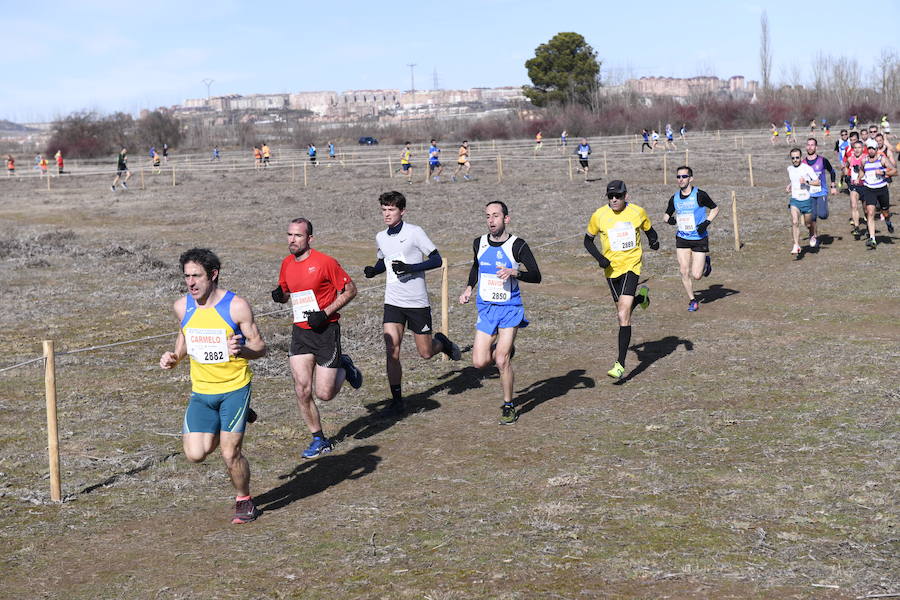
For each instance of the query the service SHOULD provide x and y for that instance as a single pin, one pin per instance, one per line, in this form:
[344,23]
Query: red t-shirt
[318,272]
[851,161]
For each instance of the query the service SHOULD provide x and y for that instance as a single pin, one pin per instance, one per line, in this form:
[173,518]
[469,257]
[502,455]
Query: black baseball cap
[616,186]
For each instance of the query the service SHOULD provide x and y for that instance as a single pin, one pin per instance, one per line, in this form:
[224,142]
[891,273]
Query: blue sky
[126,56]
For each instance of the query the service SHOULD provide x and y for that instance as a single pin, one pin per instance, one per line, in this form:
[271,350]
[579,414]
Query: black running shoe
[450,348]
[354,375]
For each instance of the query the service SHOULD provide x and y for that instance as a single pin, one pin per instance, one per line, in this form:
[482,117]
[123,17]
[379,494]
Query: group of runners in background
[866,164]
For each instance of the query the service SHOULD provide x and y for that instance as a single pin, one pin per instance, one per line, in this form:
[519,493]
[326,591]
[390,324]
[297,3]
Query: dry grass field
[751,451]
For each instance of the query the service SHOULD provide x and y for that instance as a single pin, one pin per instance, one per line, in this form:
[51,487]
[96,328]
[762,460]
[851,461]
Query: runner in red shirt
[317,288]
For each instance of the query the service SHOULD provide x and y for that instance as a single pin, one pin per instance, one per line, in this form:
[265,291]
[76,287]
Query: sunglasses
[615,196]
[682,177]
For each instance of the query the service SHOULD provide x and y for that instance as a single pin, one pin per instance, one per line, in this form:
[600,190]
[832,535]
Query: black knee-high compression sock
[624,341]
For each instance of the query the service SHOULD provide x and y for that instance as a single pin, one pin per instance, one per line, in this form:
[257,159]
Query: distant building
[735,86]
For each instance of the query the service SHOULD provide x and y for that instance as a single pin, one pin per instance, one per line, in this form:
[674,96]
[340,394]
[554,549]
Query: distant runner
[122,169]
[584,152]
[462,161]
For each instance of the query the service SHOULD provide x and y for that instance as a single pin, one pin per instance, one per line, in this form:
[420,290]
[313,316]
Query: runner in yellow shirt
[405,163]
[619,225]
[219,335]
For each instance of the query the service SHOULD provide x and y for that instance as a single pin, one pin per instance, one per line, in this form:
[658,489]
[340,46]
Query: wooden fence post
[665,169]
[750,166]
[734,220]
[570,169]
[52,431]
[605,165]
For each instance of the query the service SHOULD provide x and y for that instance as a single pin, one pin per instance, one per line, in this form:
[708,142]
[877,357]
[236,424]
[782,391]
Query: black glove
[317,319]
[654,245]
[370,272]
[603,262]
[671,220]
[701,228]
[279,296]
[400,267]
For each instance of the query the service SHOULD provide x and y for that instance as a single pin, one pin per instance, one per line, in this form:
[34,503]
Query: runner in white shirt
[404,253]
[804,181]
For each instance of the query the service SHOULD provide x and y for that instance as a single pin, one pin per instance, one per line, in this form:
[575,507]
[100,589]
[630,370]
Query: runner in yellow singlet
[219,335]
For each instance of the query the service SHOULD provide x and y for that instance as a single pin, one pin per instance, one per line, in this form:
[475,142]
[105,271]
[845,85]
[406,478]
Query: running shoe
[508,414]
[857,233]
[813,241]
[450,348]
[707,266]
[319,445]
[245,512]
[124,186]
[643,297]
[354,375]
[693,306]
[251,415]
[795,249]
[112,187]
[871,243]
[617,371]
[890,225]
[466,177]
[453,178]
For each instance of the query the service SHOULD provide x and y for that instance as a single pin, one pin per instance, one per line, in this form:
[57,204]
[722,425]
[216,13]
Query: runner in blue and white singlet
[494,279]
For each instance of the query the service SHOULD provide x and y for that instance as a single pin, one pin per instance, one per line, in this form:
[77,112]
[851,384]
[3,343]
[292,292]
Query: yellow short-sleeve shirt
[620,237]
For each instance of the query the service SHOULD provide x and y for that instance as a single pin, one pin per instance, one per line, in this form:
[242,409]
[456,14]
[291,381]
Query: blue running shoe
[319,445]
[354,375]
[693,306]
[707,266]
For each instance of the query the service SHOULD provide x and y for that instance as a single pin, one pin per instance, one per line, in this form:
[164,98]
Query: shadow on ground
[143,467]
[454,382]
[316,476]
[714,292]
[650,352]
[553,387]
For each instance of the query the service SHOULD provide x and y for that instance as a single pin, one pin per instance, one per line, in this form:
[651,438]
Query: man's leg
[302,366]
[810,223]
[685,266]
[624,307]
[854,208]
[198,445]
[505,339]
[870,220]
[393,337]
[698,263]
[795,225]
[482,354]
[236,462]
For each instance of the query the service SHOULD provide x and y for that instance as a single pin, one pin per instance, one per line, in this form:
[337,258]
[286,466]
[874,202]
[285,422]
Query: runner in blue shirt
[330,150]
[435,168]
[687,209]
[584,152]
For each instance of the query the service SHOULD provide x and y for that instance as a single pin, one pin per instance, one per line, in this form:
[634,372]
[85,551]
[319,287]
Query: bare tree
[820,67]
[887,73]
[765,52]
[845,81]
